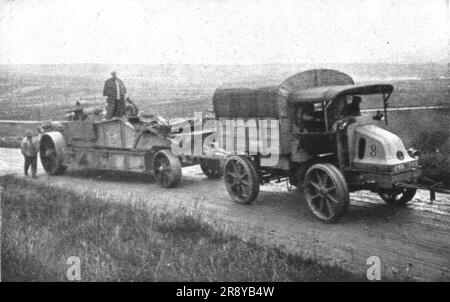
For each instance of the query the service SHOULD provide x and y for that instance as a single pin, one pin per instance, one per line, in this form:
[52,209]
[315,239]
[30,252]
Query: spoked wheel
[212,168]
[241,179]
[167,169]
[51,147]
[398,197]
[326,192]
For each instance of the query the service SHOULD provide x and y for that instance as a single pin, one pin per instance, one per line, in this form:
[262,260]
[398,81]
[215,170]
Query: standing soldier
[115,91]
[30,150]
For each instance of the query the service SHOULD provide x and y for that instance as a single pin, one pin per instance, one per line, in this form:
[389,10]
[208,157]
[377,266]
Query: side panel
[80,134]
[109,134]
[136,162]
[115,134]
[148,140]
[129,135]
[248,135]
[245,102]
[109,160]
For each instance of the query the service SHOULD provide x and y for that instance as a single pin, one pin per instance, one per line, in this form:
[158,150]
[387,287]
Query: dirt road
[415,238]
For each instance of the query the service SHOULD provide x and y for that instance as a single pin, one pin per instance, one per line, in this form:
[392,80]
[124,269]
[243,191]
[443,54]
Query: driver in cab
[306,120]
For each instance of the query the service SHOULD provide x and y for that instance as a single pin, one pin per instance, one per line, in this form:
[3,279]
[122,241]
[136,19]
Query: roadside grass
[43,226]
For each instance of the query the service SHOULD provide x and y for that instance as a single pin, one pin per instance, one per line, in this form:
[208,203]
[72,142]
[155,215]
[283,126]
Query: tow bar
[427,185]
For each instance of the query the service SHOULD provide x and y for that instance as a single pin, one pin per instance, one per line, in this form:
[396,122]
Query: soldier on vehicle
[305,119]
[77,113]
[30,150]
[131,108]
[352,109]
[115,92]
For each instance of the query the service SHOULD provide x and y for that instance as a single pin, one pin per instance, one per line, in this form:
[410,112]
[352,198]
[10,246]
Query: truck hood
[380,146]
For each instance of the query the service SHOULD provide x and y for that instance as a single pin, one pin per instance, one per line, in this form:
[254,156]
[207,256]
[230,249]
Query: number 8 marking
[373,150]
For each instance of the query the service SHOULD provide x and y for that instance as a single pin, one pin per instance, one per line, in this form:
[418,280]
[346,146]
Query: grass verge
[43,226]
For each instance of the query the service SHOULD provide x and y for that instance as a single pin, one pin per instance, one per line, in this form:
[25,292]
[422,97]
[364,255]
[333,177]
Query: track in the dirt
[417,235]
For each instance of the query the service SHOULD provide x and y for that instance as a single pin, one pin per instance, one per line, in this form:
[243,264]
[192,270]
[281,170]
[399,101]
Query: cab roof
[328,93]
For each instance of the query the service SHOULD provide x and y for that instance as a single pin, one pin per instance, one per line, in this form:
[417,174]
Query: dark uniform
[115,92]
[352,109]
[30,150]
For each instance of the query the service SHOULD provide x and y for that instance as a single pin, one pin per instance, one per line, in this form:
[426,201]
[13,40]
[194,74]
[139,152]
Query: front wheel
[398,197]
[241,179]
[167,169]
[326,192]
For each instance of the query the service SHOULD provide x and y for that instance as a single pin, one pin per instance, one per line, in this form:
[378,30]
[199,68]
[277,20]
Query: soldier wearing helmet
[30,150]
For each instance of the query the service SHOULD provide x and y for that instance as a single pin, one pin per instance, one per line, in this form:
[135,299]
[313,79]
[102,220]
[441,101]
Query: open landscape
[39,92]
[146,233]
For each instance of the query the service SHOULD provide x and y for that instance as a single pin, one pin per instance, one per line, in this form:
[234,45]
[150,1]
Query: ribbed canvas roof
[316,78]
[307,86]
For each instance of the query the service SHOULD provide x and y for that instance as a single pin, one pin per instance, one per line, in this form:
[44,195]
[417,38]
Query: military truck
[326,147]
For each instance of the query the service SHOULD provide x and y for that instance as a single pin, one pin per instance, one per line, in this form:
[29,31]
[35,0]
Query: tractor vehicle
[326,147]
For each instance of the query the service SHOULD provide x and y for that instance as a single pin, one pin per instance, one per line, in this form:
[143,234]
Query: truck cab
[370,156]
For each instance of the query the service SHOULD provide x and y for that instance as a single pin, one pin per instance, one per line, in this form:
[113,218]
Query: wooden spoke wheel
[241,179]
[51,147]
[166,168]
[212,168]
[326,192]
[398,197]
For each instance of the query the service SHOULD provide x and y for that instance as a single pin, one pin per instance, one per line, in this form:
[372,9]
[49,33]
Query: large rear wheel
[241,179]
[326,192]
[167,169]
[51,148]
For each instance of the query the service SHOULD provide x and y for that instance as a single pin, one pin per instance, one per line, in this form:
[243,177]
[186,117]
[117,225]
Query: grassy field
[42,227]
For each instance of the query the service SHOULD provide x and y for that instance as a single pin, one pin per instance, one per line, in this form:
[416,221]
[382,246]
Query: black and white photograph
[203,141]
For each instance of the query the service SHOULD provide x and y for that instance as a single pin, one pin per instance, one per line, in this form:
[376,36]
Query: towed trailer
[131,144]
[326,147]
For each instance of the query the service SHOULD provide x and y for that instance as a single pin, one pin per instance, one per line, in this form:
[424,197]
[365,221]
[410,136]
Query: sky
[223,31]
